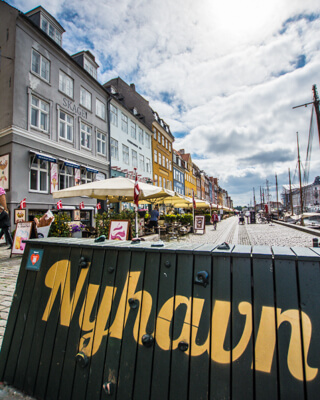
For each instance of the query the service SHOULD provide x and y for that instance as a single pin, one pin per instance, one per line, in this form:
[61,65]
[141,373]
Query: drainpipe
[109,135]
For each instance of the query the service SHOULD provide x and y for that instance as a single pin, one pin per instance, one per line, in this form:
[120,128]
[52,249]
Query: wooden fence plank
[220,370]
[69,364]
[103,324]
[264,312]
[163,333]
[113,351]
[288,323]
[201,330]
[143,374]
[182,328]
[242,343]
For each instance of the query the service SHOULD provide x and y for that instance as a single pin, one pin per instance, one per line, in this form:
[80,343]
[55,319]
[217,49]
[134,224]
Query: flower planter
[76,234]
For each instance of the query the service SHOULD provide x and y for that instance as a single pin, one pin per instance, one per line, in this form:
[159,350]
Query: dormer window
[134,111]
[88,66]
[50,30]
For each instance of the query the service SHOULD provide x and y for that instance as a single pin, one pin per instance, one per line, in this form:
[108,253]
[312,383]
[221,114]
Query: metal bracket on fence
[223,246]
[147,340]
[82,359]
[202,278]
[99,239]
[183,346]
[83,263]
[133,303]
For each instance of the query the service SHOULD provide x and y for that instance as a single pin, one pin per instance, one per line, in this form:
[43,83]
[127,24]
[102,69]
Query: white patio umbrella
[118,189]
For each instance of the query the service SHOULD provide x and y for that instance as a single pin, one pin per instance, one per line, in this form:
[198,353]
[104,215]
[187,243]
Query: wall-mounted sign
[34,259]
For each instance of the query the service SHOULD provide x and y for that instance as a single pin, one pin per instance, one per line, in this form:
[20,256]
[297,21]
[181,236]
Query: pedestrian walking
[214,220]
[153,223]
[5,225]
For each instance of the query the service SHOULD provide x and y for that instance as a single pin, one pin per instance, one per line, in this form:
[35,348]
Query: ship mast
[299,167]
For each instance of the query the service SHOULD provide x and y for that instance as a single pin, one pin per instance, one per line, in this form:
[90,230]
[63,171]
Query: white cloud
[225,74]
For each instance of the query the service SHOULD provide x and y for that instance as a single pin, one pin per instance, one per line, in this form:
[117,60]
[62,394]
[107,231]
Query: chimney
[133,86]
[181,151]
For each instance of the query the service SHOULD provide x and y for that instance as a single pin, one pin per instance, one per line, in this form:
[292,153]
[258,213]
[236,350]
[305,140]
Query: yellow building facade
[190,181]
[162,154]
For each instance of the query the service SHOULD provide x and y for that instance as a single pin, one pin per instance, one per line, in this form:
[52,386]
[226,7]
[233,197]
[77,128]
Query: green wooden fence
[131,321]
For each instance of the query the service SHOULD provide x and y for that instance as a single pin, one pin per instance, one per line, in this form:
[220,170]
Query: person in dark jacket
[5,225]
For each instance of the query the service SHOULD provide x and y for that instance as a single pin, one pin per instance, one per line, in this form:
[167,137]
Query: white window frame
[163,141]
[66,173]
[155,156]
[134,156]
[141,162]
[100,109]
[113,115]
[133,130]
[147,140]
[85,136]
[46,25]
[163,161]
[101,143]
[67,124]
[86,176]
[170,147]
[65,84]
[141,136]
[148,165]
[159,158]
[124,123]
[155,180]
[125,154]
[159,137]
[154,134]
[39,170]
[89,67]
[42,67]
[42,109]
[114,147]
[85,98]
[160,181]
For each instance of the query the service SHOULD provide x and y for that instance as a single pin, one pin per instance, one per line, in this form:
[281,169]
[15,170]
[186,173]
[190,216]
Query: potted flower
[76,230]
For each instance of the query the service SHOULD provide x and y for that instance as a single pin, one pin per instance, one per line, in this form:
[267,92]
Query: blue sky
[223,75]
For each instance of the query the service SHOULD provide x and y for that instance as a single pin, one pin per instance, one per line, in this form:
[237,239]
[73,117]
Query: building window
[125,154]
[89,67]
[39,175]
[134,159]
[166,143]
[66,176]
[85,135]
[101,143]
[141,162]
[113,115]
[163,161]
[100,109]
[163,141]
[51,30]
[65,126]
[114,149]
[66,84]
[148,141]
[159,158]
[160,181]
[85,98]
[167,163]
[155,156]
[124,123]
[170,166]
[170,147]
[155,179]
[133,130]
[154,133]
[148,165]
[159,137]
[141,138]
[86,176]
[40,65]
[40,114]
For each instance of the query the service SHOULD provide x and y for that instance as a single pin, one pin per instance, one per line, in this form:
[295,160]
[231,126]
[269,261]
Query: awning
[89,169]
[70,163]
[43,156]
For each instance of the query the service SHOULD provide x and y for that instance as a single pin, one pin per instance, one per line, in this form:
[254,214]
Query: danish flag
[136,191]
[81,205]
[193,200]
[59,205]
[23,203]
[98,206]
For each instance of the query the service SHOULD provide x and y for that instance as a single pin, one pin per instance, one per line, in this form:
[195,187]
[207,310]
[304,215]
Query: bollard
[315,242]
